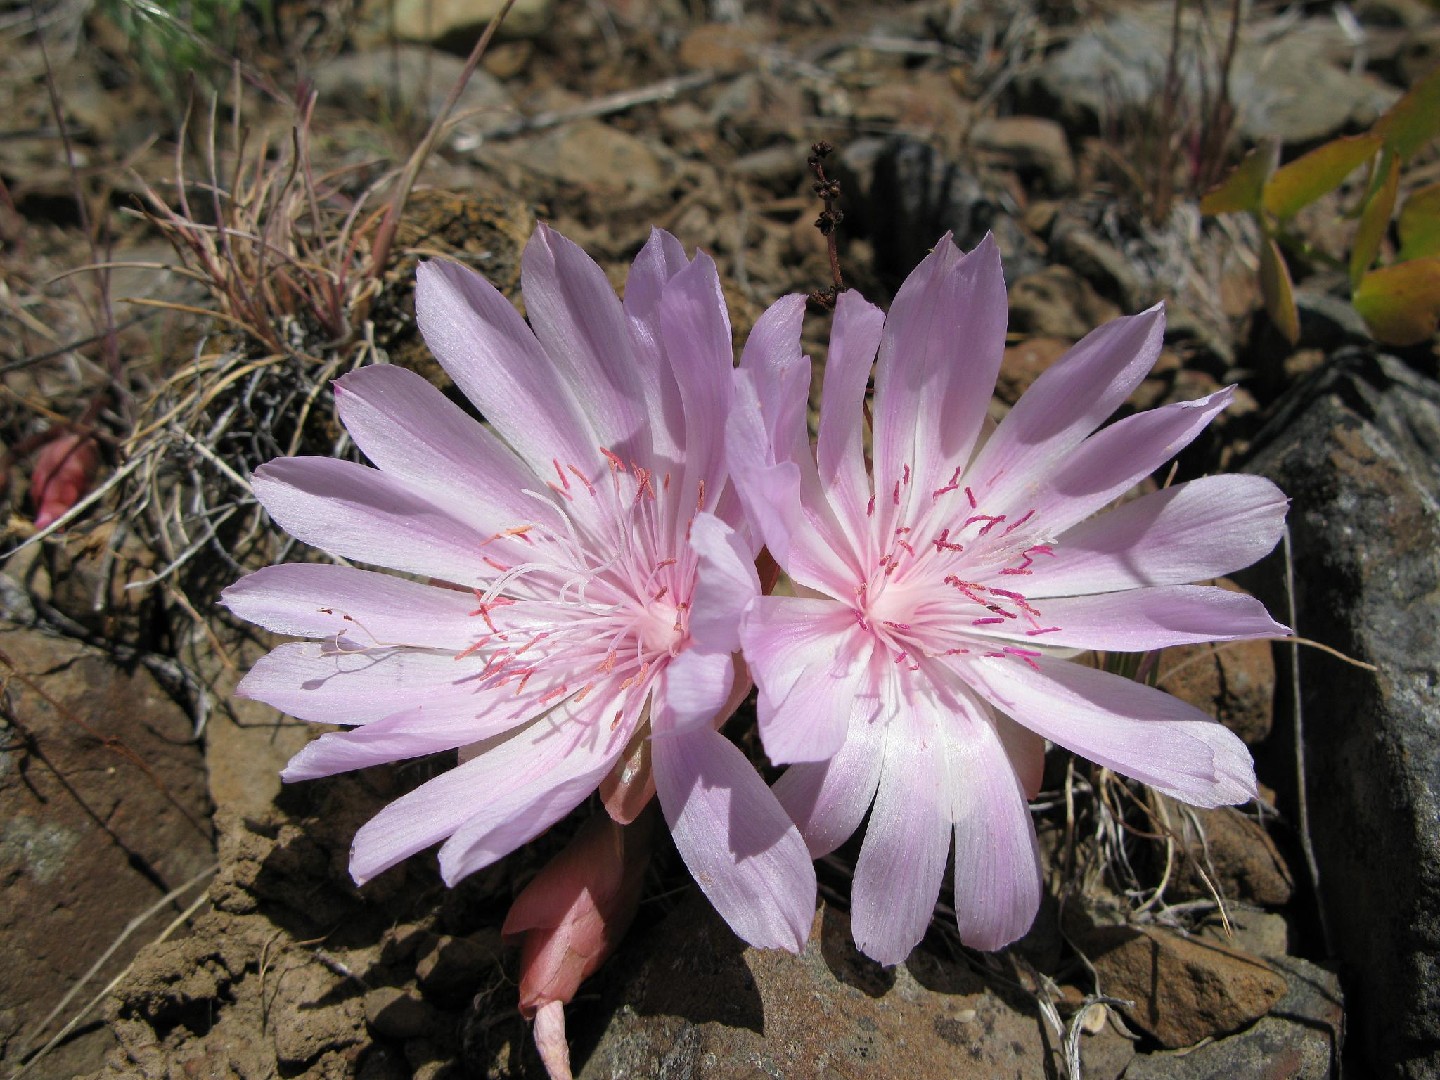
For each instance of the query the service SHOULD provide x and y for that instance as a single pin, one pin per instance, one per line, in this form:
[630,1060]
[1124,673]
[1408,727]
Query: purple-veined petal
[1191,532]
[740,846]
[840,446]
[827,800]
[997,864]
[939,356]
[1138,620]
[314,681]
[811,664]
[321,600]
[359,513]
[418,437]
[725,583]
[495,360]
[1069,401]
[1134,729]
[581,326]
[902,861]
[1111,462]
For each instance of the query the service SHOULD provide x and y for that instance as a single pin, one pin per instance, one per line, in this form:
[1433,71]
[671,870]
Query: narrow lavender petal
[659,260]
[1134,729]
[840,446]
[1138,620]
[740,846]
[358,513]
[780,375]
[725,584]
[902,861]
[997,863]
[827,800]
[581,326]
[939,358]
[811,664]
[694,688]
[312,681]
[1191,532]
[320,600]
[1109,463]
[419,438]
[1070,400]
[493,356]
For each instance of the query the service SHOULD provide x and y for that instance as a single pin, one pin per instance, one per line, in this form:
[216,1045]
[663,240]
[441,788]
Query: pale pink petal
[812,665]
[780,376]
[527,783]
[740,846]
[417,436]
[725,583]
[840,445]
[939,357]
[659,260]
[1026,752]
[1191,532]
[1138,620]
[695,330]
[322,601]
[580,324]
[359,513]
[902,861]
[997,864]
[1134,729]
[486,347]
[827,800]
[1110,463]
[422,730]
[1070,400]
[693,689]
[313,680]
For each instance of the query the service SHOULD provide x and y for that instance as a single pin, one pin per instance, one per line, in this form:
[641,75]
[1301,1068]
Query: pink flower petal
[659,260]
[580,324]
[1111,462]
[313,681]
[840,446]
[725,584]
[418,437]
[1026,752]
[997,863]
[1070,400]
[740,846]
[902,861]
[694,688]
[324,601]
[939,357]
[811,663]
[1134,729]
[358,513]
[1138,620]
[485,346]
[827,800]
[426,729]
[1191,532]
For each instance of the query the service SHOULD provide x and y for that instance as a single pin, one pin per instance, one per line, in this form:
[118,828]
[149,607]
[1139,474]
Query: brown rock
[399,1013]
[1233,851]
[720,47]
[1183,990]
[1031,145]
[1233,681]
[456,965]
[1057,302]
[1022,364]
[102,812]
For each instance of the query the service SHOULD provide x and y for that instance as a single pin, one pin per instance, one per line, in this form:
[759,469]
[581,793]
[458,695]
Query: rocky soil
[166,910]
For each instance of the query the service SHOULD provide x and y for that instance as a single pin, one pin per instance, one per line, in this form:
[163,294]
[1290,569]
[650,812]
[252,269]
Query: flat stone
[1034,146]
[452,24]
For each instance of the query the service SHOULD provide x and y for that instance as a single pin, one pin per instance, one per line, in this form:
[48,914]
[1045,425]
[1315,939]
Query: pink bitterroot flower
[921,669]
[585,563]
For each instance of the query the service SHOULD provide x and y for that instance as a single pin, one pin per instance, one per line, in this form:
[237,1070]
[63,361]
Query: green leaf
[1413,120]
[1241,191]
[1375,216]
[1278,291]
[1420,223]
[1322,170]
[1401,303]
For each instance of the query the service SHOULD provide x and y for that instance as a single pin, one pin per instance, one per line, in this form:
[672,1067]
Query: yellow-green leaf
[1279,293]
[1375,218]
[1401,303]
[1241,191]
[1298,184]
[1413,120]
[1420,223]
